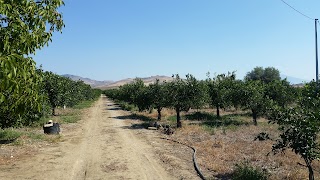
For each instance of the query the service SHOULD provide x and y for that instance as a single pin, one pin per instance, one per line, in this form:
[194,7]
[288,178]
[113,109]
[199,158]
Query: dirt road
[100,147]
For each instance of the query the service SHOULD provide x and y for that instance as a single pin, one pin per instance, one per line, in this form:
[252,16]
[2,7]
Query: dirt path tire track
[101,147]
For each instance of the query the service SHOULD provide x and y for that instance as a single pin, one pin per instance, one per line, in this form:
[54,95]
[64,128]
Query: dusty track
[100,147]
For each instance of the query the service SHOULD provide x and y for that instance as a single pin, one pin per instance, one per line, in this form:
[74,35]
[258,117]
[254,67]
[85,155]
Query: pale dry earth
[103,145]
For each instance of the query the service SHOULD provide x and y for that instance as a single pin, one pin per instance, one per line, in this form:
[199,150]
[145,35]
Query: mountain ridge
[91,82]
[107,84]
[293,80]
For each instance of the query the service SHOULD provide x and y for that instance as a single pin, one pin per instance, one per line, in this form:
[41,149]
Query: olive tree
[265,75]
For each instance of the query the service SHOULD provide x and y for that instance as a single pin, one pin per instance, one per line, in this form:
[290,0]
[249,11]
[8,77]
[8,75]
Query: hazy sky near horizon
[117,39]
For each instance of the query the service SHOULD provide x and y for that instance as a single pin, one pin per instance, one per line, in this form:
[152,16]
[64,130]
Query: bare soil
[105,144]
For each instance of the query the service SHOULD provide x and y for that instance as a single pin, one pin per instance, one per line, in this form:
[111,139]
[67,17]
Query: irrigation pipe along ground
[194,157]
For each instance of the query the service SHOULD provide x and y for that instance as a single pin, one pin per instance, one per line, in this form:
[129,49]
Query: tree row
[295,110]
[260,89]
[38,95]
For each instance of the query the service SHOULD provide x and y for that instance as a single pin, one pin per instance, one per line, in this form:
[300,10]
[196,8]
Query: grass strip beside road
[20,136]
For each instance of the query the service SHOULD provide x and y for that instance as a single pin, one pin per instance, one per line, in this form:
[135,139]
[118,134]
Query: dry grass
[220,148]
[217,154]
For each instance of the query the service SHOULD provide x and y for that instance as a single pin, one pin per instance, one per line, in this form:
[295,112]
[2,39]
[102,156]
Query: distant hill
[111,84]
[146,80]
[294,80]
[92,83]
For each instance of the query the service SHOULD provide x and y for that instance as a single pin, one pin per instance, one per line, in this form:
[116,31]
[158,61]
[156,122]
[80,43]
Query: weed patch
[70,119]
[200,116]
[22,136]
[224,122]
[245,171]
[172,118]
[141,117]
[84,104]
[35,136]
[8,136]
[126,106]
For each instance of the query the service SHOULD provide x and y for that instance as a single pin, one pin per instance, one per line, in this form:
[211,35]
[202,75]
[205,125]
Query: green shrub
[244,171]
[84,104]
[126,106]
[201,116]
[172,118]
[9,134]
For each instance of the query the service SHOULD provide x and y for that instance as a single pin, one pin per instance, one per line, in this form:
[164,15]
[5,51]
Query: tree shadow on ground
[114,104]
[224,176]
[205,116]
[143,124]
[135,117]
[137,126]
[9,141]
[200,116]
[114,109]
[212,120]
[224,122]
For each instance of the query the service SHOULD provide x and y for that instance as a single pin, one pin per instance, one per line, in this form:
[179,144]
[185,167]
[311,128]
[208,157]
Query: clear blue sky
[116,39]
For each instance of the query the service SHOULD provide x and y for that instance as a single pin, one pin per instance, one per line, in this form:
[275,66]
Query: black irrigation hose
[194,157]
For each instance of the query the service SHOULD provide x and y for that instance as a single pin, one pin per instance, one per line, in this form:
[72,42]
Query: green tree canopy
[253,98]
[184,94]
[281,92]
[265,75]
[158,95]
[140,94]
[220,90]
[300,126]
[25,26]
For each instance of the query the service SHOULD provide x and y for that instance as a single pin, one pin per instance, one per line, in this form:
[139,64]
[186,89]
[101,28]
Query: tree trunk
[159,113]
[179,125]
[53,111]
[254,116]
[311,174]
[218,112]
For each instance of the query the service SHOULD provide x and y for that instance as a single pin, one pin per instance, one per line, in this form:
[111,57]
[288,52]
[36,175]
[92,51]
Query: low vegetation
[248,172]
